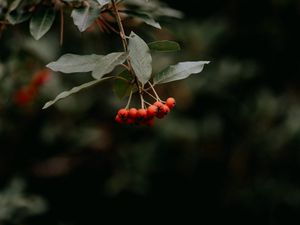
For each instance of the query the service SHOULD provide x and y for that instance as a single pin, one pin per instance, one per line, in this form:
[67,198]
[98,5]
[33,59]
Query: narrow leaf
[164,46]
[41,22]
[179,71]
[71,63]
[123,86]
[140,58]
[84,17]
[169,12]
[72,91]
[148,20]
[107,63]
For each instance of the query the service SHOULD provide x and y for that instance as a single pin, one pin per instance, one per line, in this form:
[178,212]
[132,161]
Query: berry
[162,111]
[130,121]
[25,95]
[170,102]
[165,109]
[118,119]
[152,110]
[158,105]
[150,122]
[41,77]
[123,113]
[132,113]
[142,114]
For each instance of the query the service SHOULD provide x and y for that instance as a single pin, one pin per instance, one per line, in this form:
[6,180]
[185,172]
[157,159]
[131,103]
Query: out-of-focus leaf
[103,2]
[150,21]
[164,46]
[41,22]
[179,71]
[16,16]
[168,12]
[71,63]
[84,17]
[73,91]
[146,18]
[107,63]
[122,87]
[155,8]
[140,58]
[14,5]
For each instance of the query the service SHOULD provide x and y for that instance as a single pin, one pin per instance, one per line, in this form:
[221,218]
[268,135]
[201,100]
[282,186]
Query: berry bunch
[28,93]
[145,116]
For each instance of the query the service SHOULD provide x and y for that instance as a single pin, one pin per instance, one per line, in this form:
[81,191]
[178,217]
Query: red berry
[118,119]
[170,102]
[165,109]
[25,95]
[22,97]
[41,77]
[158,104]
[123,113]
[142,114]
[132,113]
[130,121]
[152,110]
[150,122]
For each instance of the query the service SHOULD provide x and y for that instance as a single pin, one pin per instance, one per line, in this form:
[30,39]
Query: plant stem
[109,26]
[129,100]
[125,46]
[142,101]
[156,95]
[150,95]
[119,21]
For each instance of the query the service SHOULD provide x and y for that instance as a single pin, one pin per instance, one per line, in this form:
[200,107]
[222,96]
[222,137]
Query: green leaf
[123,86]
[73,91]
[107,63]
[140,58]
[41,22]
[164,46]
[84,17]
[71,63]
[179,71]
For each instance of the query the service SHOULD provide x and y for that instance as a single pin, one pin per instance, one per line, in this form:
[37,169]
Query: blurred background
[230,150]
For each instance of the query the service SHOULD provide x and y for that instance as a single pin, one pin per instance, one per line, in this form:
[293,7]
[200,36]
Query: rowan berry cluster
[145,116]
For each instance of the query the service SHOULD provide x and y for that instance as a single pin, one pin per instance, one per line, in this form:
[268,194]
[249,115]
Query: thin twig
[129,100]
[150,94]
[156,95]
[109,26]
[61,26]
[119,21]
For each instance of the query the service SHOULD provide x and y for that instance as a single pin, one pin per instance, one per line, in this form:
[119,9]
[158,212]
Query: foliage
[136,51]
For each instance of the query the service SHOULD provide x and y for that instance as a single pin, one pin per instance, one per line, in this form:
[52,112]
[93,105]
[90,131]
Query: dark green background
[229,151]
